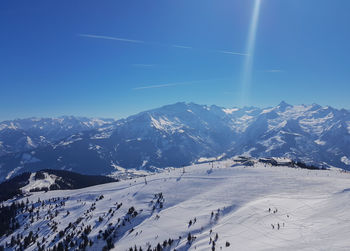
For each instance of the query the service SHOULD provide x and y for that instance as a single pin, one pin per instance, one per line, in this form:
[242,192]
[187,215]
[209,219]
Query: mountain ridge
[181,133]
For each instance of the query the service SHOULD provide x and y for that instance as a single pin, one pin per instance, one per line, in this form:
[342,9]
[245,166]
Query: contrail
[112,38]
[233,53]
[248,64]
[177,83]
[182,46]
[166,85]
[159,44]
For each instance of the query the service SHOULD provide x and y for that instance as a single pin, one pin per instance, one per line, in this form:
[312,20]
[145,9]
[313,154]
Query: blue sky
[115,58]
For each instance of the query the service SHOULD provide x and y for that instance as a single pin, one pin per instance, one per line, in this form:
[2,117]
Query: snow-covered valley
[236,207]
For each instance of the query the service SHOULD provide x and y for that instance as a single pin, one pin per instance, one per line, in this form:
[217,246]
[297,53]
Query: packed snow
[259,207]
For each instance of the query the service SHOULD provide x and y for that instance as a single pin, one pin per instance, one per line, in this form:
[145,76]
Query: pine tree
[189,237]
[60,247]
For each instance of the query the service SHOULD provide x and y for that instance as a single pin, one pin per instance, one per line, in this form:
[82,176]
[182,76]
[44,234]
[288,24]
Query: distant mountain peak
[315,106]
[283,105]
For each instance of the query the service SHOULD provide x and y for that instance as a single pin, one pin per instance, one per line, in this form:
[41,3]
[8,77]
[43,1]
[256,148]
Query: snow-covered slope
[46,180]
[44,183]
[256,207]
[180,134]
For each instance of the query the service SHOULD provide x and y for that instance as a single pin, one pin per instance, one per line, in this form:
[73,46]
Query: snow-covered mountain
[212,206]
[27,134]
[182,133]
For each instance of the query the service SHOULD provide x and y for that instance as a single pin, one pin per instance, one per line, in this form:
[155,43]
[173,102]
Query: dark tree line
[8,222]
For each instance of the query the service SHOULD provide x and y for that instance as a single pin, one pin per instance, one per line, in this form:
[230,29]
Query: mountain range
[173,136]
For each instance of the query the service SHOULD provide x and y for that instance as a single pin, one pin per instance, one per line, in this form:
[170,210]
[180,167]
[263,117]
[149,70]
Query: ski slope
[309,210]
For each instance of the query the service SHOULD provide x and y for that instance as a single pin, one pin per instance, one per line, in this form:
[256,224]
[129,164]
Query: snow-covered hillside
[236,207]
